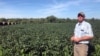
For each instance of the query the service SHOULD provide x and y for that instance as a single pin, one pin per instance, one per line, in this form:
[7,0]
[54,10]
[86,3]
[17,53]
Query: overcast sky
[44,8]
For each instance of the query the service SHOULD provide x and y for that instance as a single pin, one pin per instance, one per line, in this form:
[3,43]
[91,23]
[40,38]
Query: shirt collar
[81,23]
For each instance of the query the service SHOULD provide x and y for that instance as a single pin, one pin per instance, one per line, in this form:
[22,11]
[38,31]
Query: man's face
[80,18]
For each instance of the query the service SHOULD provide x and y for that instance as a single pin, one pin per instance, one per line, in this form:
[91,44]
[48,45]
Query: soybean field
[43,39]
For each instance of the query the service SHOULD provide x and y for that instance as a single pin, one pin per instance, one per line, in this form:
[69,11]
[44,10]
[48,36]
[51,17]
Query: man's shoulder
[77,23]
[86,23]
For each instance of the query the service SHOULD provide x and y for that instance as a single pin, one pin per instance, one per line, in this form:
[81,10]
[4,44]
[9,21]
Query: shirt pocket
[83,30]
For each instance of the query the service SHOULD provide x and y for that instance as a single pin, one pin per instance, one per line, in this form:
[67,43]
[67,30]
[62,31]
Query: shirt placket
[80,33]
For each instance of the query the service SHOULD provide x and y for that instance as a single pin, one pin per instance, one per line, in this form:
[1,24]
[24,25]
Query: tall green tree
[51,19]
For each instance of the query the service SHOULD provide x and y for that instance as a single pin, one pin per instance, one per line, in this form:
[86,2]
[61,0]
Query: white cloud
[9,13]
[57,8]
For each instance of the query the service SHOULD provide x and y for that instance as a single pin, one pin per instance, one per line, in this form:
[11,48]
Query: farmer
[82,35]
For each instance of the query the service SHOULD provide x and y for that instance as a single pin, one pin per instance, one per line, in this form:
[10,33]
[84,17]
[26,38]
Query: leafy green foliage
[47,39]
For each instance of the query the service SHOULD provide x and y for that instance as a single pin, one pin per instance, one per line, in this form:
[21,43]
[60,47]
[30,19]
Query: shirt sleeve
[76,33]
[75,29]
[89,30]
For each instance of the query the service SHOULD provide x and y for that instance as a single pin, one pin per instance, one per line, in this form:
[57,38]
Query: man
[82,34]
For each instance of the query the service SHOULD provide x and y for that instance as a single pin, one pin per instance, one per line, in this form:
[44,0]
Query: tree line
[49,19]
